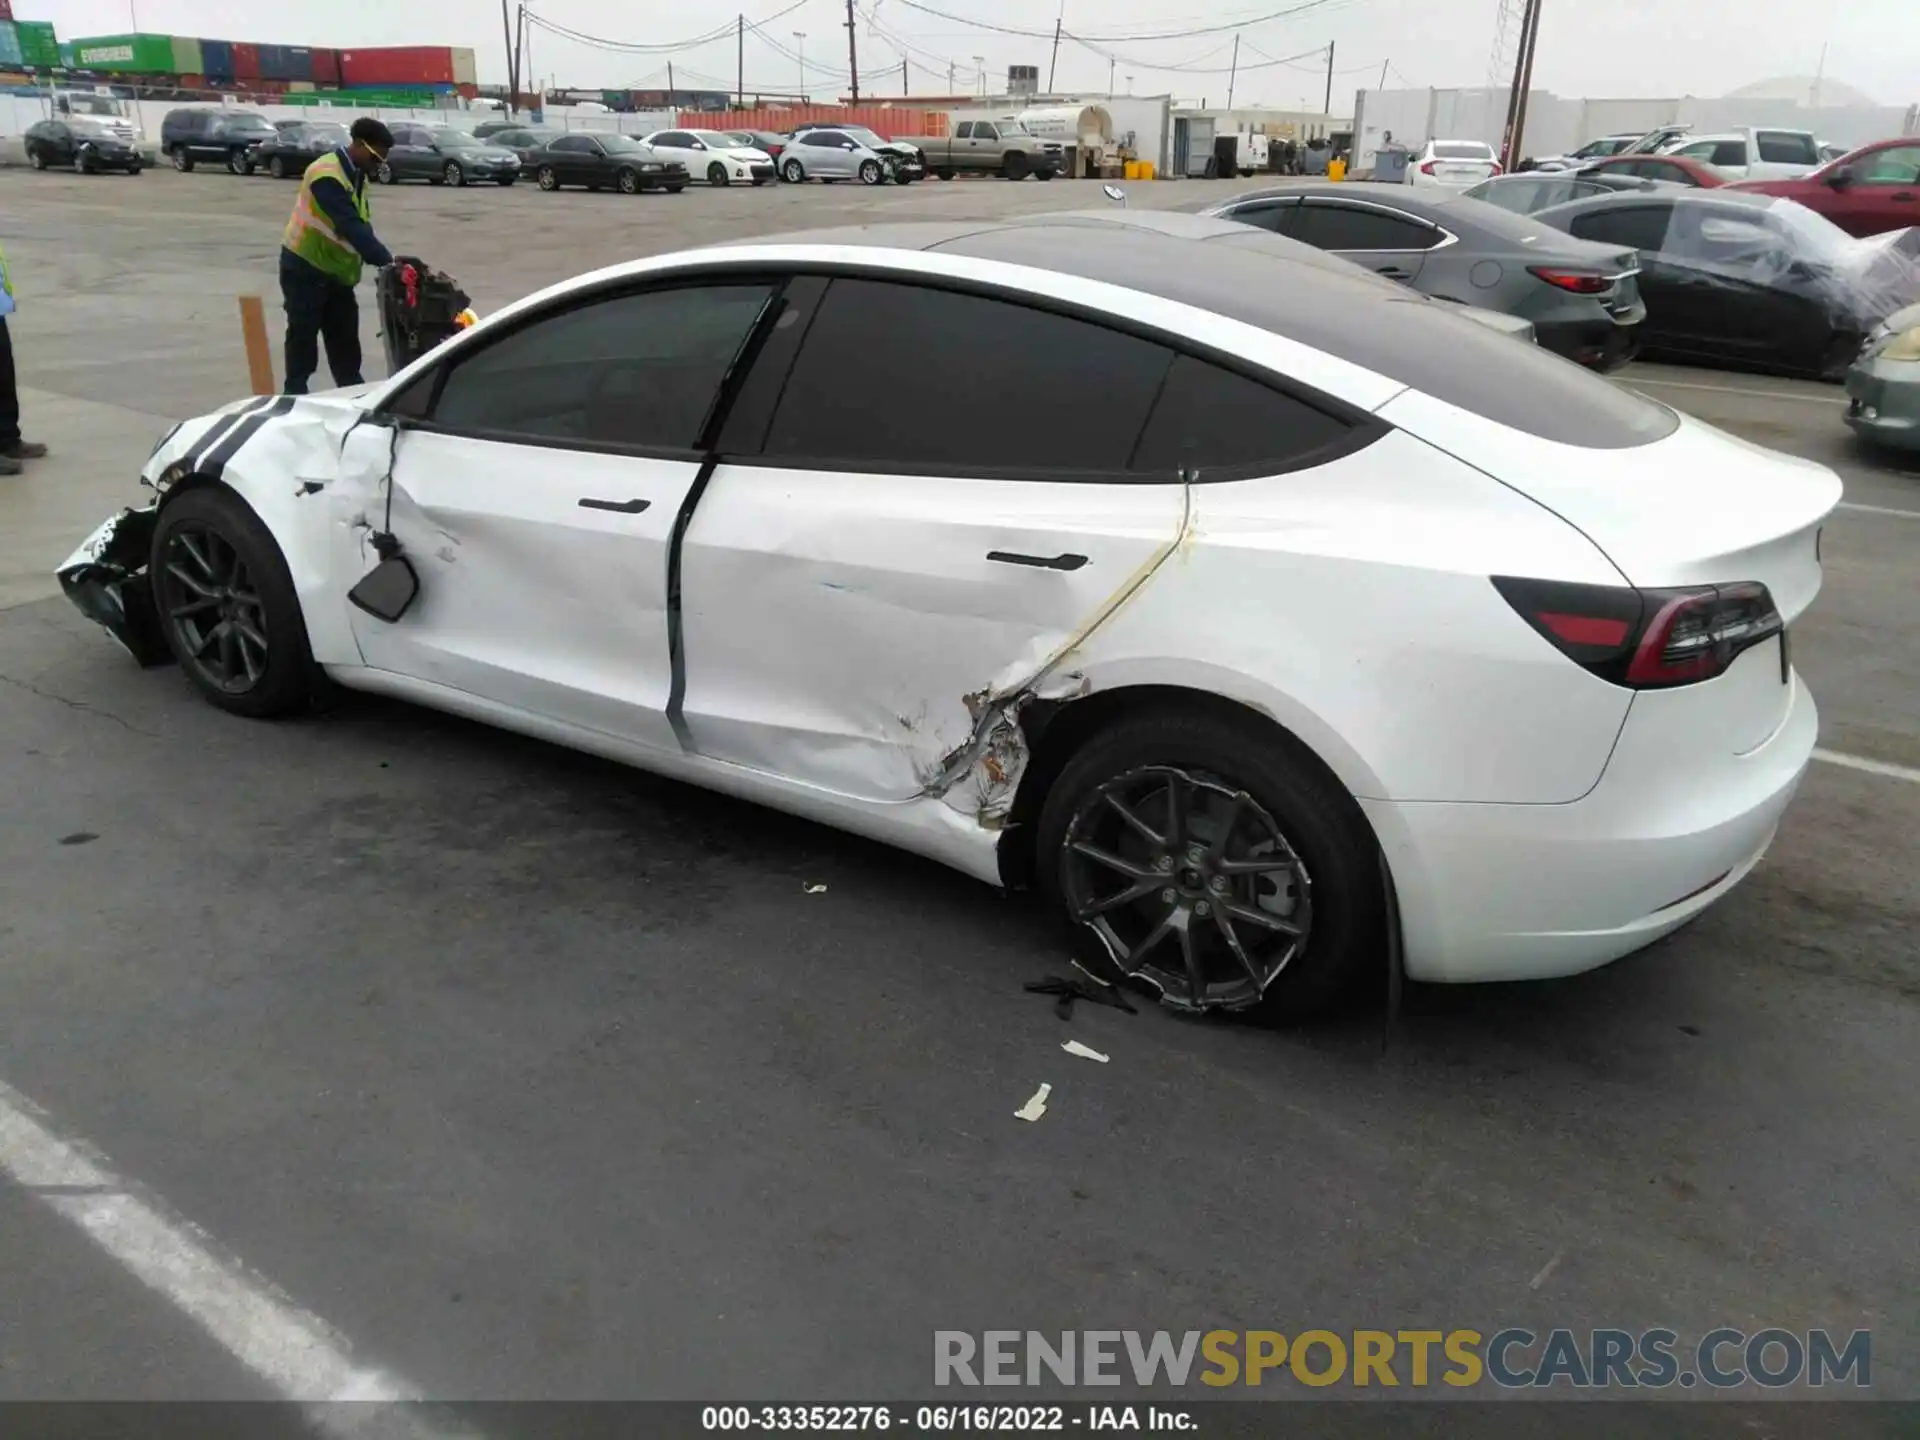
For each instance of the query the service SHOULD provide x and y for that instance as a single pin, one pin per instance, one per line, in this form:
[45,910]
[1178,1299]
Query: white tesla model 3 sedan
[1253,610]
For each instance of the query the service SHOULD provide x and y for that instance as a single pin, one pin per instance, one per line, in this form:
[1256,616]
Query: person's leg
[304,290]
[340,328]
[12,448]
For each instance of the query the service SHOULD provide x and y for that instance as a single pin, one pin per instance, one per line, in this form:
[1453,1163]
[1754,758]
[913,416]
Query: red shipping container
[326,66]
[246,61]
[397,65]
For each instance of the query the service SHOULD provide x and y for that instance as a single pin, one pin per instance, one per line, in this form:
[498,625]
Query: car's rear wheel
[944,173]
[505,179]
[228,606]
[628,182]
[716,174]
[36,157]
[546,179]
[384,174]
[83,161]
[792,173]
[182,161]
[871,173]
[239,162]
[277,167]
[1214,861]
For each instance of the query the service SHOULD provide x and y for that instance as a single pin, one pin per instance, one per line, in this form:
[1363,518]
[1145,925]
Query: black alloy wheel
[239,162]
[547,178]
[628,182]
[215,610]
[717,174]
[182,161]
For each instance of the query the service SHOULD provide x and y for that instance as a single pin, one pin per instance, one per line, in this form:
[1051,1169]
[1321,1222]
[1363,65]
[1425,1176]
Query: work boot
[23,450]
[10,466]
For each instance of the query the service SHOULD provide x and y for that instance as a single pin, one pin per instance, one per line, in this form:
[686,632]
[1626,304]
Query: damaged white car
[1275,623]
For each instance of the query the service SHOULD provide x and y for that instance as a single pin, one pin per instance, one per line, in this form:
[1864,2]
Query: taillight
[1496,168]
[1577,282]
[1426,167]
[1646,639]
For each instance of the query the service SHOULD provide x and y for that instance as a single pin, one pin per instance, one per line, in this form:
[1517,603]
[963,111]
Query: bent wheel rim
[213,606]
[1190,884]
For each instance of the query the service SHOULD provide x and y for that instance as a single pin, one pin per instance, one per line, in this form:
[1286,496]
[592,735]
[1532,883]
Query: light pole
[800,39]
[980,64]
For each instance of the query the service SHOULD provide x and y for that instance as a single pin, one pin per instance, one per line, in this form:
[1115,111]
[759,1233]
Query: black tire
[453,174]
[628,181]
[36,157]
[385,174]
[83,160]
[793,172]
[1043,174]
[287,678]
[546,179]
[239,162]
[182,160]
[504,180]
[1014,167]
[277,167]
[872,173]
[674,189]
[1343,913]
[717,174]
[944,174]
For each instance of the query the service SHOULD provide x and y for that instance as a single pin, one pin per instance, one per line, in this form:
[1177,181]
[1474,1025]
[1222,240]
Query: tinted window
[675,138]
[1729,152]
[1347,227]
[984,131]
[1268,215]
[639,369]
[1643,227]
[1896,165]
[826,137]
[1020,389]
[1209,418]
[1785,147]
[1461,150]
[965,132]
[573,143]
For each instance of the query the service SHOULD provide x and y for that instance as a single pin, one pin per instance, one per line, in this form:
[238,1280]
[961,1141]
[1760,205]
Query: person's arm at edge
[333,197]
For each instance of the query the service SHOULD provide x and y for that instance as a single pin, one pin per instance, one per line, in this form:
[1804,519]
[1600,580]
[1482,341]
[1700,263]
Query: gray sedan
[831,155]
[1883,387]
[1583,298]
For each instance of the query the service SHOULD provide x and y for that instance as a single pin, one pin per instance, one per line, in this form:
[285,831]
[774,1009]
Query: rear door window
[1896,165]
[1023,390]
[1642,227]
[1330,225]
[1265,214]
[1787,147]
[1209,419]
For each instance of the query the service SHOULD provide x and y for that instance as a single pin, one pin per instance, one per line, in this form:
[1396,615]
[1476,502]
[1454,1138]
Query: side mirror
[851,146]
[1840,177]
[388,590]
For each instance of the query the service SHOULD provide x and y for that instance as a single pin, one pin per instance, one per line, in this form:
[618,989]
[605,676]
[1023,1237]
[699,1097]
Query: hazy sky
[1587,48]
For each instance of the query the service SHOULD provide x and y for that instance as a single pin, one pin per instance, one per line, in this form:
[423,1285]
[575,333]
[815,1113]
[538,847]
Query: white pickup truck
[1752,153]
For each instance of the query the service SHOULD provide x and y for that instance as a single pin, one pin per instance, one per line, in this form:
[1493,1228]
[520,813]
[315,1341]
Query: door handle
[624,507]
[1903,195]
[1038,562]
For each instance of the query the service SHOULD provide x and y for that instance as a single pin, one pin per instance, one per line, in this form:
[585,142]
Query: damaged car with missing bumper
[1277,625]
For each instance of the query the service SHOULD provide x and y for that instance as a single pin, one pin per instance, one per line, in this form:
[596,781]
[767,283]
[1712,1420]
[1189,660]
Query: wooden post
[253,330]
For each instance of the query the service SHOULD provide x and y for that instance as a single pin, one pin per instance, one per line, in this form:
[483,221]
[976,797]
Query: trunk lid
[1698,507]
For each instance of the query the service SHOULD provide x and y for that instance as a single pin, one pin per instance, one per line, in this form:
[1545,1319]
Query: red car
[1875,189]
[1674,169]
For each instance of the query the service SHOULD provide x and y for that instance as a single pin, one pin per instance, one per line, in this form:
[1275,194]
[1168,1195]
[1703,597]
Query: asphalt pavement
[526,1076]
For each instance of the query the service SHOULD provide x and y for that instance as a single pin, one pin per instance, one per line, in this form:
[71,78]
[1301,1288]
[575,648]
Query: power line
[1136,38]
[601,42]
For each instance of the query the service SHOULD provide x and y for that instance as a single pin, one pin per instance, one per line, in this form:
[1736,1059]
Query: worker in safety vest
[12,448]
[328,240]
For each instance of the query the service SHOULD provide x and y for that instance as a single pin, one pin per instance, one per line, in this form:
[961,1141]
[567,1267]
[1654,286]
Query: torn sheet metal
[106,579]
[1035,1107]
[1085,1052]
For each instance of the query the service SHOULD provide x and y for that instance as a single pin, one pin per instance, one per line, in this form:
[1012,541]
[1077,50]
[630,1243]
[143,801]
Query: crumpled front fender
[106,579]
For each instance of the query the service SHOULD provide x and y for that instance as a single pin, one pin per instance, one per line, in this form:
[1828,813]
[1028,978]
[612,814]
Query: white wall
[1556,124]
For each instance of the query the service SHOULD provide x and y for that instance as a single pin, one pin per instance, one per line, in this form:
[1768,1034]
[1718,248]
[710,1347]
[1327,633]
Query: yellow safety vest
[6,277]
[310,234]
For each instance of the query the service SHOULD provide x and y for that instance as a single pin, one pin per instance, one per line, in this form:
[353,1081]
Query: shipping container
[286,62]
[66,56]
[9,44]
[125,54]
[186,56]
[216,59]
[464,72]
[38,46]
[397,65]
[246,61]
[326,66]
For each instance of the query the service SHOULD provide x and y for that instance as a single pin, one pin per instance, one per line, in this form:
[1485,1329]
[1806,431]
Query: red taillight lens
[1646,639]
[1577,282]
[1426,167]
[1497,170]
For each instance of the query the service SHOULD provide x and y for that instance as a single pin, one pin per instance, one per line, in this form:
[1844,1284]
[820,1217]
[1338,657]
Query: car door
[536,483]
[832,155]
[854,573]
[412,155]
[1882,193]
[1388,242]
[984,147]
[1668,286]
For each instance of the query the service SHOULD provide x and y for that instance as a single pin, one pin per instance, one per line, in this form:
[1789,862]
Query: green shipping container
[186,56]
[38,45]
[125,54]
[369,99]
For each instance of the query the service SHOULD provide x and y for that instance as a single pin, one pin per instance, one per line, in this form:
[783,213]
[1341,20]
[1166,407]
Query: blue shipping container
[286,62]
[216,58]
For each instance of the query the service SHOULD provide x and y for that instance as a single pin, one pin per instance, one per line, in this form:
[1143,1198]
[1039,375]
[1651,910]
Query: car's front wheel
[228,606]
[384,174]
[628,182]
[83,160]
[239,162]
[453,174]
[182,160]
[36,157]
[716,174]
[1216,861]
[871,173]
[277,167]
[547,179]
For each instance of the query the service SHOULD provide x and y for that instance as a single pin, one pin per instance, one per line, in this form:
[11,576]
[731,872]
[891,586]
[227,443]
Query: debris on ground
[1085,1052]
[1066,990]
[816,889]
[1037,1106]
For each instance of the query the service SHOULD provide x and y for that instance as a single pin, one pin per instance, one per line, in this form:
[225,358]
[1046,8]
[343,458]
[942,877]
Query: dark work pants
[9,392]
[318,308]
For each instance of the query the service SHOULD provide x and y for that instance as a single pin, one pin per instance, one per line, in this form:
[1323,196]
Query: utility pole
[1234,72]
[1110,64]
[1522,79]
[506,35]
[740,60]
[906,86]
[853,60]
[980,63]
[1383,75]
[516,67]
[952,80]
[1054,63]
[1328,110]
[672,104]
[800,41]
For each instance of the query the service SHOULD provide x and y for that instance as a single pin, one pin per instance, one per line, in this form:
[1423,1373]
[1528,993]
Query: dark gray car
[1531,193]
[1582,298]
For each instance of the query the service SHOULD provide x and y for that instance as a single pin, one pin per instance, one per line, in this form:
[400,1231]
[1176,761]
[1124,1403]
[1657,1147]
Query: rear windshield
[1788,147]
[1462,150]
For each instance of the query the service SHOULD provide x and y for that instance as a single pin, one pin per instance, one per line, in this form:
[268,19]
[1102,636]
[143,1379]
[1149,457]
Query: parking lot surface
[535,1077]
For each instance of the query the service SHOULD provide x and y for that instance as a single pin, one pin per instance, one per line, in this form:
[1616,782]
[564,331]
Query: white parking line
[1871,767]
[295,1352]
[1734,390]
[1878,510]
